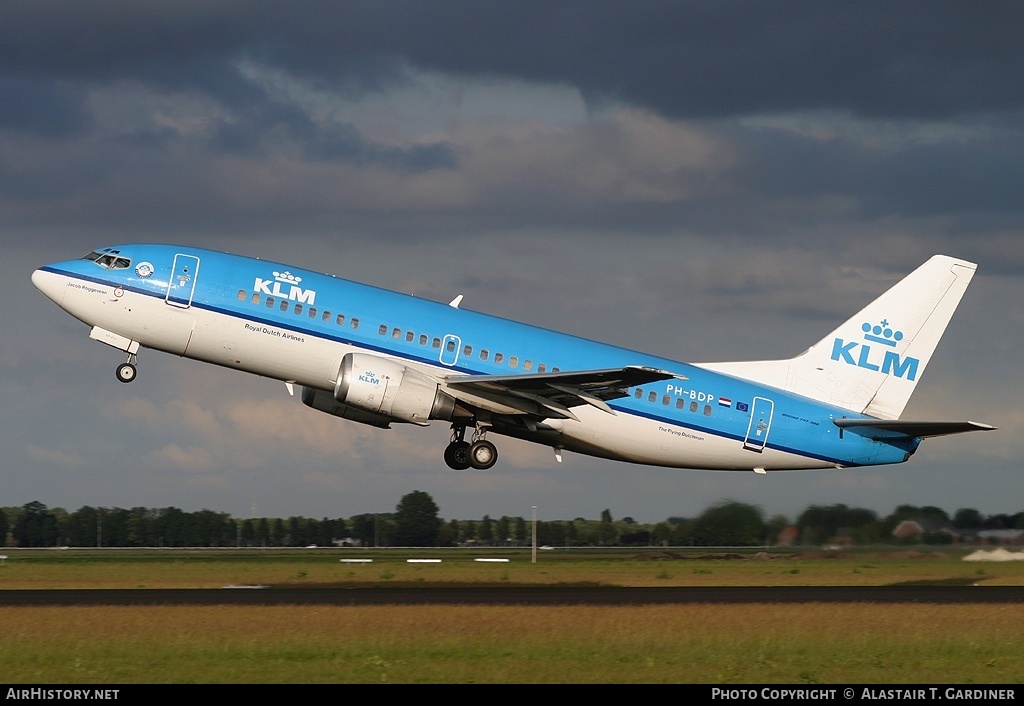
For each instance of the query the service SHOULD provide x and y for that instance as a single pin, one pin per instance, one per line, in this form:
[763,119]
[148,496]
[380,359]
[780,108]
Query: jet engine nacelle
[389,389]
[324,401]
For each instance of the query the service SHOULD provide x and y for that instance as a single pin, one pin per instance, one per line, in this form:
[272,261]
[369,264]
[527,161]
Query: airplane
[379,357]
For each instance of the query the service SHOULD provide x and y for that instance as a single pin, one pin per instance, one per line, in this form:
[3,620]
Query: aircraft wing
[893,428]
[552,394]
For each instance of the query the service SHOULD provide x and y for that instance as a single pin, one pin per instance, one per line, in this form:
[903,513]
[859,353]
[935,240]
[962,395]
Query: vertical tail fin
[873,362]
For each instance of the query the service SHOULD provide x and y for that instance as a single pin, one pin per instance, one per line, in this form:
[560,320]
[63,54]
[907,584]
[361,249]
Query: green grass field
[807,643]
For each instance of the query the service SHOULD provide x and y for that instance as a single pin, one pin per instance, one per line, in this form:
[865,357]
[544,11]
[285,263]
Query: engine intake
[386,388]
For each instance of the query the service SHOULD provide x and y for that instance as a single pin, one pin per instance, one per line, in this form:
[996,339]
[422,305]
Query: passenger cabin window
[513,362]
[652,396]
[450,346]
[528,365]
[312,312]
[541,367]
[284,305]
[355,323]
[467,351]
[483,354]
[340,320]
[707,410]
[270,302]
[639,393]
[326,317]
[298,308]
[242,295]
[499,358]
[409,337]
[423,339]
[436,343]
[396,333]
[255,298]
[383,330]
[693,406]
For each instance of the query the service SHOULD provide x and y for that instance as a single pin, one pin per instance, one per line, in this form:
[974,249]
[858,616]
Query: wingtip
[982,427]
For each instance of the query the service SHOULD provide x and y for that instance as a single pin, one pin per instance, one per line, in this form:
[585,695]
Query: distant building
[1001,537]
[787,537]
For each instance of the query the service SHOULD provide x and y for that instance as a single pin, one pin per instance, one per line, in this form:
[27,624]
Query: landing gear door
[182,284]
[760,424]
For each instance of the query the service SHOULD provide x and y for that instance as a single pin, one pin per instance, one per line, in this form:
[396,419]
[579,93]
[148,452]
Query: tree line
[416,523]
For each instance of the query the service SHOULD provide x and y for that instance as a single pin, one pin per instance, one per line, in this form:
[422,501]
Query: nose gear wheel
[126,372]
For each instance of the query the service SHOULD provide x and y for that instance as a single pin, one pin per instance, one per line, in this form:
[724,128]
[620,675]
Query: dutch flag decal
[725,401]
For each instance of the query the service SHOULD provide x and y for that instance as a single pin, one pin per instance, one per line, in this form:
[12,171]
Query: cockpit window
[109,260]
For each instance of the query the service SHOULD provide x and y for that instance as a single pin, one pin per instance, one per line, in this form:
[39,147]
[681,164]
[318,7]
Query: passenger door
[182,283]
[760,424]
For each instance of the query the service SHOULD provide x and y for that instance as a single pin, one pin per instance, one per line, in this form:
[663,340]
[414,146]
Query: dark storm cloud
[908,175]
[695,59]
[246,135]
[40,107]
[710,63]
[682,59]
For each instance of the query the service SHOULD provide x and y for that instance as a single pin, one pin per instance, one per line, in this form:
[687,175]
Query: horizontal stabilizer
[893,428]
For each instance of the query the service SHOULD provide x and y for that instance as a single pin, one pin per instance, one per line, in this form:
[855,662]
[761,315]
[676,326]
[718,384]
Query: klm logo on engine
[872,356]
[369,377]
[286,286]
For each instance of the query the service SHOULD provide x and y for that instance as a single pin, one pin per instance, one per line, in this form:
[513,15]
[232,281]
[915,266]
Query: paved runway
[531,595]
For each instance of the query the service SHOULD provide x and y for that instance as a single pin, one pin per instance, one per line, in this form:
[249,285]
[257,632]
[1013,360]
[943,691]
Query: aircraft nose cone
[49,284]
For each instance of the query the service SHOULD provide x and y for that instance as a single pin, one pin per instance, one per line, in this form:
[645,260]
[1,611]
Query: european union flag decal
[742,406]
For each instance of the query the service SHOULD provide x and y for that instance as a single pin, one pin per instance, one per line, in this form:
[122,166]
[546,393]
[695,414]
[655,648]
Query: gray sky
[700,180]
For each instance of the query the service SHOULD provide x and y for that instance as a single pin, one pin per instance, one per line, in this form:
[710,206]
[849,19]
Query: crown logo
[881,333]
[287,278]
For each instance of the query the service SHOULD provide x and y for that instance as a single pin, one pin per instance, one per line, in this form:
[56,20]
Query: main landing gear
[461,454]
[126,372]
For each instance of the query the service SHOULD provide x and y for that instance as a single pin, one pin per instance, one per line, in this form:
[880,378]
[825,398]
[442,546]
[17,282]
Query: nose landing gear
[461,454]
[126,372]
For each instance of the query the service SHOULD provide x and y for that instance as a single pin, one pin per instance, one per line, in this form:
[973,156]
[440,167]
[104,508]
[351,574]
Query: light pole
[534,518]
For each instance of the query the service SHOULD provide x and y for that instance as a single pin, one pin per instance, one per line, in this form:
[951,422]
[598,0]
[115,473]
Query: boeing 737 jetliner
[378,357]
